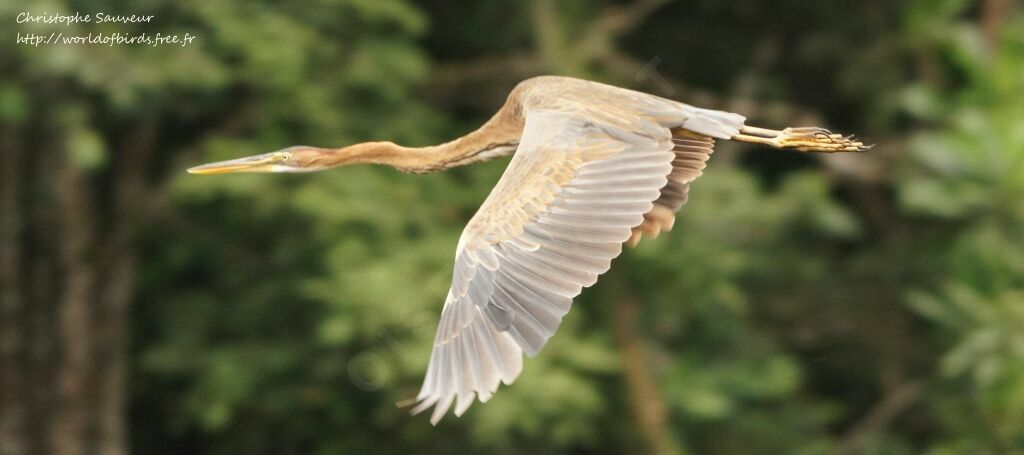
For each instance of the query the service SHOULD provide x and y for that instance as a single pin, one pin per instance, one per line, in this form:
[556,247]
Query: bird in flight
[594,166]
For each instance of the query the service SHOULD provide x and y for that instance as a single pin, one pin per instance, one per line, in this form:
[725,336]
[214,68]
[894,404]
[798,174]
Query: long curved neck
[498,137]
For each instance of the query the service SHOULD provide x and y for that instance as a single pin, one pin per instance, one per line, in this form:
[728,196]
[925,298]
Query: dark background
[868,303]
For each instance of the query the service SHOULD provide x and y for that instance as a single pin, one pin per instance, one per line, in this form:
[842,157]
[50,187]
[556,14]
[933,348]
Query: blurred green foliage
[969,171]
[793,307]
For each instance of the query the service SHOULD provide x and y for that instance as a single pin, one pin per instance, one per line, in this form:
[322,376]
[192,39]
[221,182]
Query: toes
[807,131]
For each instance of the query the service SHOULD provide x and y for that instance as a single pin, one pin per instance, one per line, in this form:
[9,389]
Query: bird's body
[594,166]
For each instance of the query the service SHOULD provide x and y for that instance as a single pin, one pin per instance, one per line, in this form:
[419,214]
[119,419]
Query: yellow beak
[257,163]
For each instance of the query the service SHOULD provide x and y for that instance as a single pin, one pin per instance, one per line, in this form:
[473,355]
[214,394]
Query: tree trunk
[66,280]
[644,396]
[994,14]
[14,361]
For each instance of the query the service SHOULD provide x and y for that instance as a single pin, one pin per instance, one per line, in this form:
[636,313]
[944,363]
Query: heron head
[299,158]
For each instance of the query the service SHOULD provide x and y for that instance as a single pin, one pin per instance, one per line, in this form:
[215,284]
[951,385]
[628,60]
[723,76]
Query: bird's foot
[803,139]
[814,139]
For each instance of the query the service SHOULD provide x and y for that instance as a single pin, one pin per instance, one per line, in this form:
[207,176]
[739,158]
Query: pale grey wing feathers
[628,108]
[553,223]
[709,122]
[695,130]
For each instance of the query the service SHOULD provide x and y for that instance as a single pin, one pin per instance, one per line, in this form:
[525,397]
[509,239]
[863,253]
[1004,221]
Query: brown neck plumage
[498,137]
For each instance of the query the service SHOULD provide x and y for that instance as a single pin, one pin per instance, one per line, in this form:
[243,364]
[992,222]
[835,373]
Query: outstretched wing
[570,197]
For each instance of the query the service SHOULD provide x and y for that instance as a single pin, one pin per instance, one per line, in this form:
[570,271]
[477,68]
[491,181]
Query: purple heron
[594,166]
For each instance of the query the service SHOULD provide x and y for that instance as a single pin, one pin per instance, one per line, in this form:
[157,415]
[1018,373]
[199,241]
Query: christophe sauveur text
[109,39]
[77,18]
